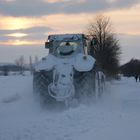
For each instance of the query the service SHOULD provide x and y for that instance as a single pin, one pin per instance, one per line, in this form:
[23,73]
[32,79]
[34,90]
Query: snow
[116,116]
[63,73]
[84,64]
[46,64]
[60,37]
[80,62]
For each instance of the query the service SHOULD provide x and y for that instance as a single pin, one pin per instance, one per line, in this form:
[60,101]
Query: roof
[60,37]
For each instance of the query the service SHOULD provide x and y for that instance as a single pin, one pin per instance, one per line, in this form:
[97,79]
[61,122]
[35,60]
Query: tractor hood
[80,62]
[84,62]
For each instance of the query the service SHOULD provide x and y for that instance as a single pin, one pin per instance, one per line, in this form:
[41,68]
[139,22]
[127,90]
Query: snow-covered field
[116,116]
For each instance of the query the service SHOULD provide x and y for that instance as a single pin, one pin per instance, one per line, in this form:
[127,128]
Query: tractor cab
[65,45]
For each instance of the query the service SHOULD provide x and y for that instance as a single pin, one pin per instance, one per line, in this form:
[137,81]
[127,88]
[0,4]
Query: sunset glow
[16,23]
[18,42]
[17,35]
[24,24]
[78,22]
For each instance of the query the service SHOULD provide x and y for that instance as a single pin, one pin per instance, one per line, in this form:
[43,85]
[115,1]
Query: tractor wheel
[41,80]
[84,85]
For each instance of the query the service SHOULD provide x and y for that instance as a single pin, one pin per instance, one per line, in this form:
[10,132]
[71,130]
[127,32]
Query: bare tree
[106,50]
[31,64]
[21,63]
[36,60]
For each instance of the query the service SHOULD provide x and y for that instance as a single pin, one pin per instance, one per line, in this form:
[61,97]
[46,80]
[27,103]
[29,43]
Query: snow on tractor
[67,73]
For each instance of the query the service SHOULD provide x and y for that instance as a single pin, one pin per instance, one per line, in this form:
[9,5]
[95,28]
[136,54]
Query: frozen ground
[114,117]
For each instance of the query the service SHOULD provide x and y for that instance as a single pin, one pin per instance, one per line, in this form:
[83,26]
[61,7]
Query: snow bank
[115,116]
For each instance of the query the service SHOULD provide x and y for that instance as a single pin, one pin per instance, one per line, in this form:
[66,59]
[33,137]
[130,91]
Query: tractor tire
[84,83]
[41,80]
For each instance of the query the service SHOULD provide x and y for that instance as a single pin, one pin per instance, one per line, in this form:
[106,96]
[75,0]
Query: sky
[25,24]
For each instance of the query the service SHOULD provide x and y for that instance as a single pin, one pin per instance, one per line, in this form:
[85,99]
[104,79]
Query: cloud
[17,35]
[30,36]
[126,20]
[8,1]
[26,24]
[56,1]
[46,7]
[14,23]
[65,1]
[38,28]
[33,20]
[19,42]
[111,1]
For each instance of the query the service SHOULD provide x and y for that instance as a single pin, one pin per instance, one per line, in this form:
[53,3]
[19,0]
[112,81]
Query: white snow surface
[115,116]
[65,37]
[78,62]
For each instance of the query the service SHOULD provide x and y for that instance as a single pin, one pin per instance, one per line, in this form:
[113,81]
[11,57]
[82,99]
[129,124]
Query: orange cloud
[18,42]
[72,23]
[17,35]
[126,20]
[56,1]
[16,23]
[9,0]
[111,1]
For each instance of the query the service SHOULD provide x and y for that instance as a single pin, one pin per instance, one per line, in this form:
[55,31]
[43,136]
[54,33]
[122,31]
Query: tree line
[131,68]
[20,66]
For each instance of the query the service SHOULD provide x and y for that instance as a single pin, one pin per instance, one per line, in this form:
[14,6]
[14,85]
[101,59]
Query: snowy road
[114,117]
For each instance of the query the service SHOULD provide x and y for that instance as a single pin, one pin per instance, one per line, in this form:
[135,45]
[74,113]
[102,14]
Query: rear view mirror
[47,45]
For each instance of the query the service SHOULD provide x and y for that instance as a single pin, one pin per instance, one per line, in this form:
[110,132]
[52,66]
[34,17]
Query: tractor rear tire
[84,85]
[41,80]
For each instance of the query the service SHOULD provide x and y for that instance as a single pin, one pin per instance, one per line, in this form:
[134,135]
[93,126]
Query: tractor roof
[60,37]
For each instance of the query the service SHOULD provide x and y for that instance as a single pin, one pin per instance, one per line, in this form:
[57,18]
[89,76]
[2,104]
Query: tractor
[67,74]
